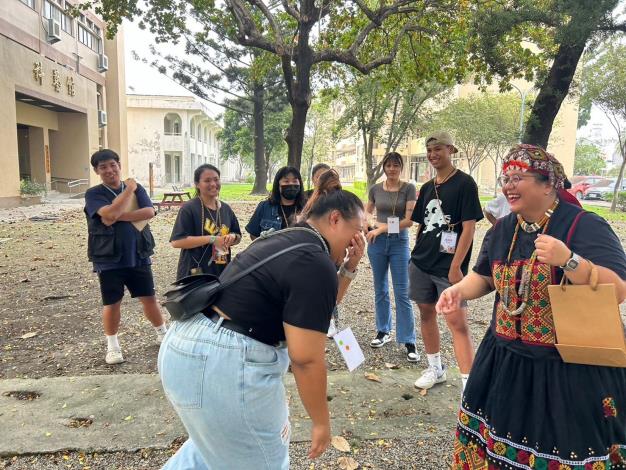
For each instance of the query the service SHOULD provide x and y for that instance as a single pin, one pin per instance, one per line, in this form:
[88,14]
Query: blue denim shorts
[228,391]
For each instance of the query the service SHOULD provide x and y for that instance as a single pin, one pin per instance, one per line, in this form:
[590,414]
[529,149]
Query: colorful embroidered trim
[477,443]
[608,405]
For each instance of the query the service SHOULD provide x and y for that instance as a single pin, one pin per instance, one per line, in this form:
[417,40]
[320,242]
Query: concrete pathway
[129,411]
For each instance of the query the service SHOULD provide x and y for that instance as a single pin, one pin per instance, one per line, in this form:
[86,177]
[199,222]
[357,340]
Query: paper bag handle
[593,277]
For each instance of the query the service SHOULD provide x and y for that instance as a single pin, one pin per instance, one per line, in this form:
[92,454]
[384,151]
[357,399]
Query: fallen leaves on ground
[340,443]
[347,463]
[373,377]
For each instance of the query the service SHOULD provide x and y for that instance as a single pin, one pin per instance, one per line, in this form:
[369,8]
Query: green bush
[621,200]
[360,185]
[250,178]
[32,188]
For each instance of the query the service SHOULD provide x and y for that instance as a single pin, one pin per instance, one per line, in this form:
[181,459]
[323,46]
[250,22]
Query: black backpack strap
[255,266]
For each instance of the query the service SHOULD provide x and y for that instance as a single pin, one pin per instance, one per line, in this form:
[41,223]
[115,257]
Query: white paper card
[393,225]
[349,348]
[448,242]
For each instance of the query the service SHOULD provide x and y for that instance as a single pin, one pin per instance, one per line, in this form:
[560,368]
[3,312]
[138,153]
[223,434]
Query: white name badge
[448,242]
[349,348]
[393,225]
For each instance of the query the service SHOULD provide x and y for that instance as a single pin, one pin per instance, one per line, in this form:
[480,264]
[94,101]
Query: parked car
[601,190]
[581,183]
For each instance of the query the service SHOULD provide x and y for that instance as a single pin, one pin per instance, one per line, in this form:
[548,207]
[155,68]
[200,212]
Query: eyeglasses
[514,180]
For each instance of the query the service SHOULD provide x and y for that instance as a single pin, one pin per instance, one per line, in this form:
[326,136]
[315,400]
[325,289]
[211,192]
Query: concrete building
[60,80]
[349,152]
[173,133]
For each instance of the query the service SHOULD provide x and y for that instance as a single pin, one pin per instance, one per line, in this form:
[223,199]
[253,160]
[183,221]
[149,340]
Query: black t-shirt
[592,238]
[189,223]
[298,288]
[459,202]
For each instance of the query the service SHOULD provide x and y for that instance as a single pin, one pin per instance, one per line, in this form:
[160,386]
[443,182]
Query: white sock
[464,378]
[434,360]
[112,343]
[161,329]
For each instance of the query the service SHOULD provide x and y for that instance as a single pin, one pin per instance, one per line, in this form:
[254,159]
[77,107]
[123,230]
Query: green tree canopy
[605,85]
[588,159]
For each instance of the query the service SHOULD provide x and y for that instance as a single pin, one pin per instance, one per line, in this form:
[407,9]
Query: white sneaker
[114,356]
[430,377]
[380,340]
[332,329]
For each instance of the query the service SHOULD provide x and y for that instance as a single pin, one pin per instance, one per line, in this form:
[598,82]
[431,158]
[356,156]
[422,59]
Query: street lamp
[522,109]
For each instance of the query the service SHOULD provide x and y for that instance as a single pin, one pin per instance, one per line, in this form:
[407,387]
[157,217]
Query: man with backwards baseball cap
[447,210]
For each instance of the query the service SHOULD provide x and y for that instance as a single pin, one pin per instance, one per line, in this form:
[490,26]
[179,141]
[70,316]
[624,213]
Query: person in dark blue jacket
[281,208]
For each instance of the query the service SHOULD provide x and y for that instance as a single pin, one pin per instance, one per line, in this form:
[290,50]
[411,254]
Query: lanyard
[450,226]
[113,192]
[393,209]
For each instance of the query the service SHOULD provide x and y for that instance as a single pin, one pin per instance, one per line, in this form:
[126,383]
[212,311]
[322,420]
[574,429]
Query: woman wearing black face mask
[281,208]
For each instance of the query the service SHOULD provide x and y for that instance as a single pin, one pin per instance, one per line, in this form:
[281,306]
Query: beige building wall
[349,159]
[173,133]
[49,96]
[117,127]
[562,142]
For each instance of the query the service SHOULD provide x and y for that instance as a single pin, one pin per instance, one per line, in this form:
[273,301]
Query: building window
[55,9]
[206,135]
[89,34]
[30,3]
[192,131]
[172,124]
[199,133]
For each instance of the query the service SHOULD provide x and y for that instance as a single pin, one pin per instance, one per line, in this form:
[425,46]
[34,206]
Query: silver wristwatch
[572,263]
[343,272]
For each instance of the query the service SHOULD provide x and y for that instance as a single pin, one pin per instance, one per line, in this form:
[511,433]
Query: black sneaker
[411,354]
[380,340]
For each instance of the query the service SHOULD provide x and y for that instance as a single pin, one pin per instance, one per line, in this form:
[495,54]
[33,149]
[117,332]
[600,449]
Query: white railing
[77,183]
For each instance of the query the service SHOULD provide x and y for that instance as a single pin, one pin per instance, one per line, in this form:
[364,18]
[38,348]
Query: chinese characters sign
[39,76]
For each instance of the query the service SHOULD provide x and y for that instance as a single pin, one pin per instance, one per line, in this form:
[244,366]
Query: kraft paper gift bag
[588,326]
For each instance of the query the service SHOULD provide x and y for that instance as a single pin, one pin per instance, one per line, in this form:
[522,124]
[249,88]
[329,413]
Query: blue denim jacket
[266,216]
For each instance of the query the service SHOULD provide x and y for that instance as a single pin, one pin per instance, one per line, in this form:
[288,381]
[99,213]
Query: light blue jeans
[391,253]
[228,391]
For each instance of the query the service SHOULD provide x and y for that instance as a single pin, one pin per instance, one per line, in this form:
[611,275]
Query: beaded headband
[526,157]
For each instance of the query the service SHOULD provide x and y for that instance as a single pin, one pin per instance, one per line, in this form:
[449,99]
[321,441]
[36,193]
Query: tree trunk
[618,183]
[295,133]
[553,91]
[260,167]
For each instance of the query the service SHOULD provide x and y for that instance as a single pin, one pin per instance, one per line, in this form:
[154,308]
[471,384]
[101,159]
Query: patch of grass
[605,213]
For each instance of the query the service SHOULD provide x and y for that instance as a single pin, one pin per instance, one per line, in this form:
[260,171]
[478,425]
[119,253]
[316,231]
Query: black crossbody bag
[193,294]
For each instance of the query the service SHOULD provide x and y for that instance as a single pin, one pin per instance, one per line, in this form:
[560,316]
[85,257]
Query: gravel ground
[49,290]
[387,454]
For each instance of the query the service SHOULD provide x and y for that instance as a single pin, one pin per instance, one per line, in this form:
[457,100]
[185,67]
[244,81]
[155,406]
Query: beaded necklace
[527,270]
[536,226]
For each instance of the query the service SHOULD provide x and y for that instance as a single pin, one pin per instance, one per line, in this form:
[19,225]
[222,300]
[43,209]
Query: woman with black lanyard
[281,208]
[205,227]
[388,250]
[223,370]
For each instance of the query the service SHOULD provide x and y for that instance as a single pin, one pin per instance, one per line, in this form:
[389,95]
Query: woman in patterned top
[524,407]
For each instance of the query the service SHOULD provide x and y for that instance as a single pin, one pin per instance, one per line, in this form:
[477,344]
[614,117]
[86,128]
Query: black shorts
[138,280]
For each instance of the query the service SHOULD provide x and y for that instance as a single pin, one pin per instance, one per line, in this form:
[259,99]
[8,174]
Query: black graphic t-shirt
[189,223]
[458,199]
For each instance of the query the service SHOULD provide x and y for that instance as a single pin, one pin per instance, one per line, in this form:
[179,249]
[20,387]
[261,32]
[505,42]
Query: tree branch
[271,20]
[291,10]
[247,32]
[348,57]
[615,27]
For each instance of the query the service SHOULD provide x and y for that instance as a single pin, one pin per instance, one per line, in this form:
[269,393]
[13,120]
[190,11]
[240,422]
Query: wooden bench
[172,199]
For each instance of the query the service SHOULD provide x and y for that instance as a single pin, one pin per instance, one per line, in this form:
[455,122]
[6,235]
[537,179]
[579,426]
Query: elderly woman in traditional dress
[524,407]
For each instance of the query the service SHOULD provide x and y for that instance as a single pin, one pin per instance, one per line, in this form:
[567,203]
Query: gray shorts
[425,288]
